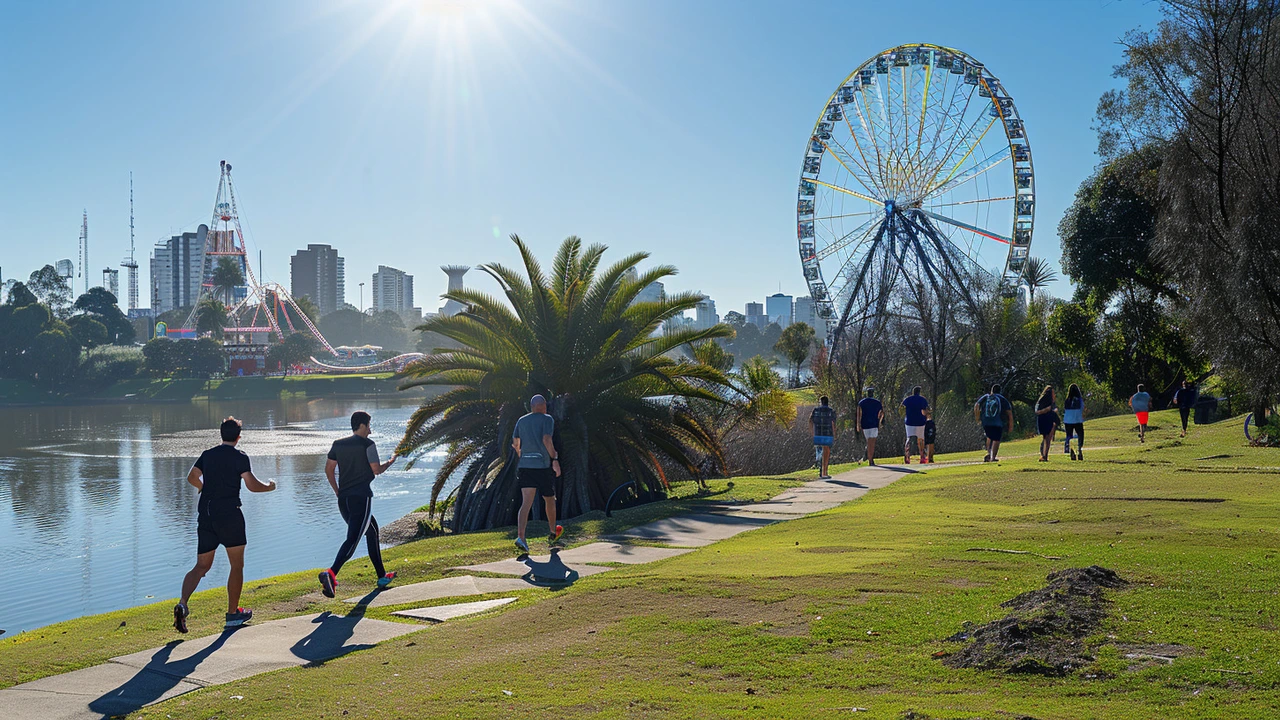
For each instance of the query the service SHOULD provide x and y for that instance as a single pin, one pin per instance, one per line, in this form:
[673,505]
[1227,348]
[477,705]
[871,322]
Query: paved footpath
[125,684]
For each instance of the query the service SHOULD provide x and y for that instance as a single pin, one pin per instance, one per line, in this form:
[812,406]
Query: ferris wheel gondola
[918,169]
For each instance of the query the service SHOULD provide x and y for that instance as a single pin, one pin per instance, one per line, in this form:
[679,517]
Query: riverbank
[852,607]
[161,390]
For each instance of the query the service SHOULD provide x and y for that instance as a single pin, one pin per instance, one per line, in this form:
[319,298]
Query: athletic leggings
[1076,429]
[358,512]
[1185,412]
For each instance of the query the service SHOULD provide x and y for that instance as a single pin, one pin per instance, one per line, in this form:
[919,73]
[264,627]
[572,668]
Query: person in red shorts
[1141,404]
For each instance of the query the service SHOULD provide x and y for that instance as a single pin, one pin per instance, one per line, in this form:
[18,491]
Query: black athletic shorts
[544,479]
[225,528]
[994,432]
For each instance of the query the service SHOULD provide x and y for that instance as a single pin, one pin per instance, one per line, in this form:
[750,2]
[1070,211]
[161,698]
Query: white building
[393,291]
[65,268]
[778,309]
[705,314]
[176,265]
[455,273]
[111,281]
[653,292]
[806,311]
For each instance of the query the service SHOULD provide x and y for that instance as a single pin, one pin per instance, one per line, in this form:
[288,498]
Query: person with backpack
[1185,399]
[1141,405]
[822,421]
[995,413]
[914,405]
[1073,422]
[1046,421]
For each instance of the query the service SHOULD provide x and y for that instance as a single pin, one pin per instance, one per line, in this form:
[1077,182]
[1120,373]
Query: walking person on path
[1046,421]
[822,421]
[995,413]
[217,475]
[355,460]
[915,405]
[1185,399]
[537,469]
[1141,404]
[870,415]
[1073,421]
[930,436]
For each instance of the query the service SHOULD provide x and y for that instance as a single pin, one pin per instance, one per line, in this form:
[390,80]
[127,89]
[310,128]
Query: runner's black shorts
[543,479]
[225,528]
[1075,430]
[994,432]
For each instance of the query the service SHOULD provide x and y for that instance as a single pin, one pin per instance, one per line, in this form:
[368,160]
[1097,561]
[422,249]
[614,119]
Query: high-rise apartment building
[65,268]
[176,267]
[705,314]
[806,311]
[320,274]
[111,281]
[778,309]
[756,316]
[653,292]
[393,290]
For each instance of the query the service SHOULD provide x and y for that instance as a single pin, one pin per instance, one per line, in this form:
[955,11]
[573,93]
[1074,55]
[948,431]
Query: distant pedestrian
[1073,422]
[930,436]
[537,469]
[354,460]
[1185,399]
[995,413]
[822,421]
[217,475]
[1141,404]
[913,418]
[1046,421]
[870,415]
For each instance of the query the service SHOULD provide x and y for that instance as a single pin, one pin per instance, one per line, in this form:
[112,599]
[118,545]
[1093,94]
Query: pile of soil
[1044,633]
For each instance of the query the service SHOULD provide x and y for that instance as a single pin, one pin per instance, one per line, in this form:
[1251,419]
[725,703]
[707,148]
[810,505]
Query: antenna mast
[83,271]
[130,263]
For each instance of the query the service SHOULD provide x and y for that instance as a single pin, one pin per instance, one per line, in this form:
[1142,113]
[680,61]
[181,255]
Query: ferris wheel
[918,171]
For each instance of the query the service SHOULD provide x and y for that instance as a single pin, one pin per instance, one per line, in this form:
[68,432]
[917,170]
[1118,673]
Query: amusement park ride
[262,310]
[896,186]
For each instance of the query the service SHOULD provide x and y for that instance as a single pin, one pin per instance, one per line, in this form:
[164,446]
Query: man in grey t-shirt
[537,468]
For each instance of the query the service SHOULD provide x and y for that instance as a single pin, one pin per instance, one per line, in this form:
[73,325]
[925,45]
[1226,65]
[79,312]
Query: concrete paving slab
[696,530]
[262,647]
[607,552]
[790,509]
[441,613]
[456,586]
[95,692]
[541,569]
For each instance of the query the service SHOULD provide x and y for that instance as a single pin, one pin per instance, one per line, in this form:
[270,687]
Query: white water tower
[455,273]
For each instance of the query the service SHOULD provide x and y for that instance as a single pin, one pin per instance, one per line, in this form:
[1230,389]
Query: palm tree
[580,336]
[226,277]
[1037,274]
[211,317]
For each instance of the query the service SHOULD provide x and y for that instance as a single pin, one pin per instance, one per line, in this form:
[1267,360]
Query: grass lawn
[844,609]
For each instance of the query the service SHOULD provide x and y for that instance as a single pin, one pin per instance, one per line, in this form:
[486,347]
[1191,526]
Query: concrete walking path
[127,683]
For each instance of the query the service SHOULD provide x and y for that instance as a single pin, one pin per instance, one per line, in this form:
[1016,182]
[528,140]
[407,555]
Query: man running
[537,469]
[1140,402]
[822,422]
[995,413]
[1185,399]
[217,475]
[915,405]
[870,415]
[355,460]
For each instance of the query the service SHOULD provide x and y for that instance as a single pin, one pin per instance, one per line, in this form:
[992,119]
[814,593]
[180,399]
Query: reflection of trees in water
[42,498]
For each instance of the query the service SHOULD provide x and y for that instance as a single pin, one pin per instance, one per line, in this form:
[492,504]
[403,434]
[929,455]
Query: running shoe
[180,618]
[522,545]
[239,617]
[385,580]
[1073,454]
[328,582]
[556,535]
[1080,454]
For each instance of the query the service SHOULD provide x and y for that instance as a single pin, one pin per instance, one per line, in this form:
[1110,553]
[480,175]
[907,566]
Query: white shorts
[916,431]
[871,433]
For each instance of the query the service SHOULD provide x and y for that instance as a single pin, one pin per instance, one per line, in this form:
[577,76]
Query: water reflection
[96,512]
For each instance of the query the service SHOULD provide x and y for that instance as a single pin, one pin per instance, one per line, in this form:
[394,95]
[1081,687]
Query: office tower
[778,309]
[317,273]
[806,311]
[66,269]
[111,281]
[176,267]
[755,315]
[705,314]
[393,290]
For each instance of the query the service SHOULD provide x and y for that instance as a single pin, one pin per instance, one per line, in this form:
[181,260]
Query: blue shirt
[1141,402]
[1073,411]
[531,429]
[871,408]
[915,405]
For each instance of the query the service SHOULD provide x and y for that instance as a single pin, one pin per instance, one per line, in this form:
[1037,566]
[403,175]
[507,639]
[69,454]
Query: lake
[96,513]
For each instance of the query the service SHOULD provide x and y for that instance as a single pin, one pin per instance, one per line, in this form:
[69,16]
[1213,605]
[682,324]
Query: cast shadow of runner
[847,483]
[328,640]
[553,572]
[152,682]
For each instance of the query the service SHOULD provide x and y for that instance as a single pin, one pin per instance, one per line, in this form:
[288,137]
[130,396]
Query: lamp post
[362,297]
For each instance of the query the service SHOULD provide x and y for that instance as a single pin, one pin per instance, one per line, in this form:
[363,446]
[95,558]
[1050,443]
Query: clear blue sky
[416,134]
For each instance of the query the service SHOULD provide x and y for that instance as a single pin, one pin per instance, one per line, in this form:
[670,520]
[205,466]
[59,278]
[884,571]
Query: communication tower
[83,270]
[130,263]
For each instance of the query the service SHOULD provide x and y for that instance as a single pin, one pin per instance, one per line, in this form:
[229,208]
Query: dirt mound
[1044,633]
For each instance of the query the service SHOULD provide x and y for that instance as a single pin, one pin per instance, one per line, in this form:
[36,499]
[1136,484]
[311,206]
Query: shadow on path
[329,639]
[152,682]
[553,572]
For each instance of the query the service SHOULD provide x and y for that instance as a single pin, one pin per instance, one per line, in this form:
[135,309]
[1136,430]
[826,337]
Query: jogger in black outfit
[355,460]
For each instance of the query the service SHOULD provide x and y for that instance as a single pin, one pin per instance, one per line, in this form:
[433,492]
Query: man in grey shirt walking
[537,469]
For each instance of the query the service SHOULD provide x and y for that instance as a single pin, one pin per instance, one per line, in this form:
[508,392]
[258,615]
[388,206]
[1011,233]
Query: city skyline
[424,173]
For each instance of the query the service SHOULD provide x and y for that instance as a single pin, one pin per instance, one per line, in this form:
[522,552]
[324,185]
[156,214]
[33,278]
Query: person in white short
[870,415]
[914,404]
